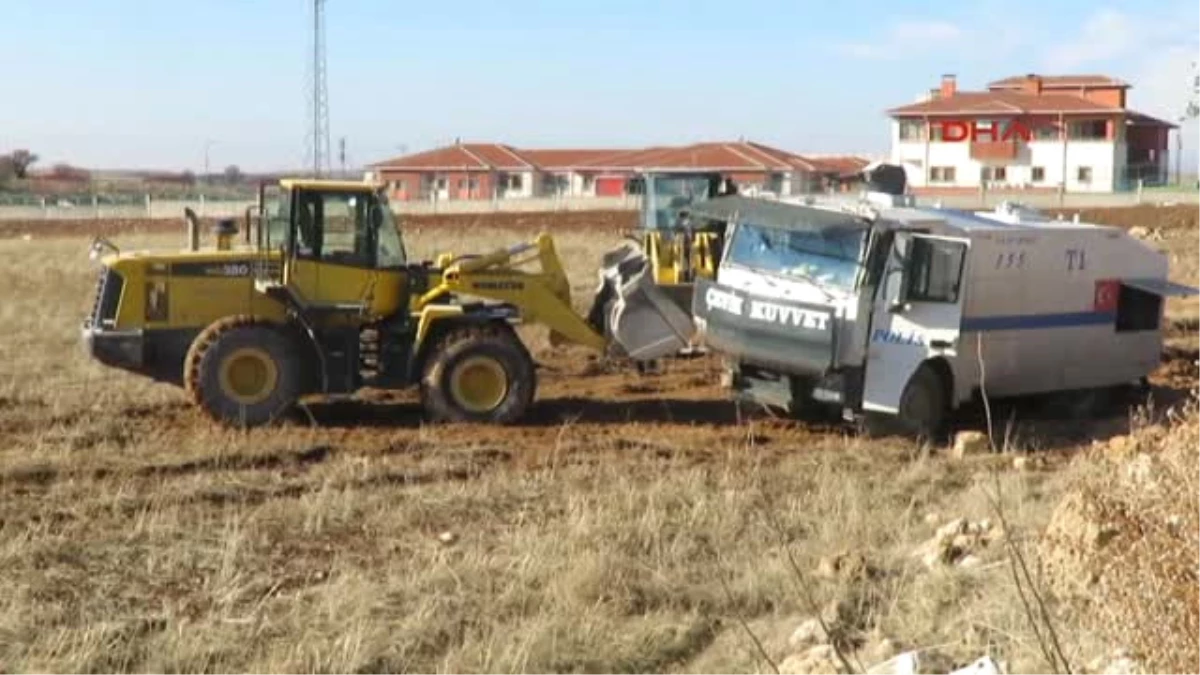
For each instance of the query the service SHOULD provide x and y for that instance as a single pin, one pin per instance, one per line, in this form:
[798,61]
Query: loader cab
[339,245]
[667,196]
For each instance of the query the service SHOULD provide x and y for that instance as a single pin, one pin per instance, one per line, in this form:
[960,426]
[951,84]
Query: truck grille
[108,297]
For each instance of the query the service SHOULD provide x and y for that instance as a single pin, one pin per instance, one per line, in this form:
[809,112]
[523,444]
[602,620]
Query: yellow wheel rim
[248,375]
[479,384]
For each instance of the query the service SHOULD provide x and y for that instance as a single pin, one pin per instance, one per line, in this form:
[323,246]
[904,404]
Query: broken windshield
[829,257]
[666,195]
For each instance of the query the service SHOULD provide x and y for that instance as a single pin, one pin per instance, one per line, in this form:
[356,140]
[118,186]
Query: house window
[588,183]
[462,183]
[936,270]
[439,183]
[1038,173]
[473,183]
[1089,130]
[1084,174]
[941,174]
[1045,132]
[993,173]
[515,182]
[912,130]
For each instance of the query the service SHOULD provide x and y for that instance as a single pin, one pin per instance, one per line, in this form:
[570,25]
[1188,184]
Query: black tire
[275,374]
[495,350]
[923,405]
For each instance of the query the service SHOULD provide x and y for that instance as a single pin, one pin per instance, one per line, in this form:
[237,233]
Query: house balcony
[994,150]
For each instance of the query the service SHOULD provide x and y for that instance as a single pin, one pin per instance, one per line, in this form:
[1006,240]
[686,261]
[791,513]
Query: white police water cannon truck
[884,311]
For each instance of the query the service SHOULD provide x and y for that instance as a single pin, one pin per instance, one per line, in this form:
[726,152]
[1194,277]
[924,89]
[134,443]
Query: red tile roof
[561,159]
[838,164]
[461,157]
[1004,103]
[740,156]
[1059,81]
[714,156]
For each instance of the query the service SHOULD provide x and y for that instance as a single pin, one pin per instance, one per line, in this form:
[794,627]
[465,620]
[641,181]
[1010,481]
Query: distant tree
[188,177]
[21,161]
[233,175]
[7,171]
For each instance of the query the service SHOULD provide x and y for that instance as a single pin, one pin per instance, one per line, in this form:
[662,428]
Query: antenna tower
[318,151]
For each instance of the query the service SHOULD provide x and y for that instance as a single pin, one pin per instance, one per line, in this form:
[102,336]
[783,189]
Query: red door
[610,186]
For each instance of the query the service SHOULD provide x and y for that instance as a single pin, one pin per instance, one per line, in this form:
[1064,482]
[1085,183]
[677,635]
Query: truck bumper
[833,391]
[119,349]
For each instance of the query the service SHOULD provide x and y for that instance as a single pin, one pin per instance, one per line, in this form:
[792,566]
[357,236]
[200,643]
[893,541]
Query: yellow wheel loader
[318,297]
[670,247]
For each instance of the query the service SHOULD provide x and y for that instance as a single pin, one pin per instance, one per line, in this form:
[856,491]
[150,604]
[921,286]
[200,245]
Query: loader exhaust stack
[633,312]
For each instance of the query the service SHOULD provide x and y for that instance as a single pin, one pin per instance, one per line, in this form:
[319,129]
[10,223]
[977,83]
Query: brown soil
[575,221]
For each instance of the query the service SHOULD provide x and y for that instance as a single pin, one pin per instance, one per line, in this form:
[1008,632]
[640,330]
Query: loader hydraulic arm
[543,297]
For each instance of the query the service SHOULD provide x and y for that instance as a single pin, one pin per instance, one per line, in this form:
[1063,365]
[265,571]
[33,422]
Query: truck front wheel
[923,405]
[922,411]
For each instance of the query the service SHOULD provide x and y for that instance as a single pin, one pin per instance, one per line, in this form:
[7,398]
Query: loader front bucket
[634,313]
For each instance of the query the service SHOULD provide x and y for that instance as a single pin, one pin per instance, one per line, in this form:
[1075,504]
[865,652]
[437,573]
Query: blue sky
[129,83]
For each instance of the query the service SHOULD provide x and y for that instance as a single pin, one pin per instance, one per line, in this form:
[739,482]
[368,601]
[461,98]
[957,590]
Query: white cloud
[906,37]
[1105,35]
[1155,54]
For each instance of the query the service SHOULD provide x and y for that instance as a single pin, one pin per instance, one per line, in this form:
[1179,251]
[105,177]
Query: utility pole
[207,144]
[318,99]
[342,154]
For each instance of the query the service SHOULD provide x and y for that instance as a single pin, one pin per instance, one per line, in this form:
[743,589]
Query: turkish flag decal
[1107,291]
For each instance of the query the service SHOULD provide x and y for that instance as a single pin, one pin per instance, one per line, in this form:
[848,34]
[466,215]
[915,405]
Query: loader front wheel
[479,374]
[244,373]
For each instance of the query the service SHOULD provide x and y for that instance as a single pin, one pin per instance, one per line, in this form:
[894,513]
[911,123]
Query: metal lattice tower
[318,151]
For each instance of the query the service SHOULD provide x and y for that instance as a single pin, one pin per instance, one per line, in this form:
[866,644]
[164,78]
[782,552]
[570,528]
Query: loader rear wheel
[243,372]
[479,374]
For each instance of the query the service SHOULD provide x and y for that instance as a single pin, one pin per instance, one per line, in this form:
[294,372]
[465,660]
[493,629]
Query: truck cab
[813,306]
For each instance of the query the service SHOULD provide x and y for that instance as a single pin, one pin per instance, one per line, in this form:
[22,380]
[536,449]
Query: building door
[610,186]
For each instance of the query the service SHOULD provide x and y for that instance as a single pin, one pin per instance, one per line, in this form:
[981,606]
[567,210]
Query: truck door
[915,315]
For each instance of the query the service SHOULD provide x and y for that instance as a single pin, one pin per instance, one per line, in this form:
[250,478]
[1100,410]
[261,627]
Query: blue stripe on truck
[1035,321]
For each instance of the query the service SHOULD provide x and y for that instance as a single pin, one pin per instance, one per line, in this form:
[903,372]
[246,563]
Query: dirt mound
[1174,217]
[1122,546]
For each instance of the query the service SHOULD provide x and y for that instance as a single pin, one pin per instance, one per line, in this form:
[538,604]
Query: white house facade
[1069,133]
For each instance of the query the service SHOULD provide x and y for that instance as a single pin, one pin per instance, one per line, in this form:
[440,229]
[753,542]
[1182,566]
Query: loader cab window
[277,216]
[334,227]
[391,247]
[935,269]
[665,196]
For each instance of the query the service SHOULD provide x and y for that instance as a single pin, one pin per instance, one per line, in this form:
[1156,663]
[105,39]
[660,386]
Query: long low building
[482,171]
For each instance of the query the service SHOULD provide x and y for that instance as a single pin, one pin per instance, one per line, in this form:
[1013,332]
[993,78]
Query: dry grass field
[637,523]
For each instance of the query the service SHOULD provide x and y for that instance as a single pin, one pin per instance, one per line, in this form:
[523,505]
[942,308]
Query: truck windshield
[665,195]
[829,257]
